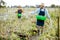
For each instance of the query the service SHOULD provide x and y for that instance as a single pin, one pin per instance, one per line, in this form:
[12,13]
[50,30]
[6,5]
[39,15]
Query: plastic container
[39,17]
[19,14]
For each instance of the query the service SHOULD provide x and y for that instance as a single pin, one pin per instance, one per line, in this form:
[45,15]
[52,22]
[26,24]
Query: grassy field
[11,27]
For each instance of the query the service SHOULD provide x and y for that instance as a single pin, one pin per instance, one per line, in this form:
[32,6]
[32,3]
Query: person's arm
[36,11]
[22,11]
[47,14]
[16,11]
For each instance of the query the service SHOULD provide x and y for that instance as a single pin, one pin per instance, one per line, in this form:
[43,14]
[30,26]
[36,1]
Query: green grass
[24,26]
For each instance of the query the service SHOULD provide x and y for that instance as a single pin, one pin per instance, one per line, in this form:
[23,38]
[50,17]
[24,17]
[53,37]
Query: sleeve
[47,14]
[36,11]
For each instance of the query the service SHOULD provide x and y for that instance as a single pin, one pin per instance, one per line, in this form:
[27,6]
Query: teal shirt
[38,10]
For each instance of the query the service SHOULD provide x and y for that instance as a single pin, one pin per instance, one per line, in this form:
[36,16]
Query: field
[11,28]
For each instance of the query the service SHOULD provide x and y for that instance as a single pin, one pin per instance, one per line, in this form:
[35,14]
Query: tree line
[2,4]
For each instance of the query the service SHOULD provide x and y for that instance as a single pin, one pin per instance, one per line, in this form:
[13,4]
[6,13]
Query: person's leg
[19,19]
[42,29]
[38,27]
[42,26]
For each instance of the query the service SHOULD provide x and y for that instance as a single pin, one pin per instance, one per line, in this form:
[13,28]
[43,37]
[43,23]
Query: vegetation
[2,3]
[12,28]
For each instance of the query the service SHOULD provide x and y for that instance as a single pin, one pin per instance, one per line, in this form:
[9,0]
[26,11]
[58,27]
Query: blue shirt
[38,10]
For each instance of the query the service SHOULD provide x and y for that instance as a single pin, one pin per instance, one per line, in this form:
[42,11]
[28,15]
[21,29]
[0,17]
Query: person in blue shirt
[43,12]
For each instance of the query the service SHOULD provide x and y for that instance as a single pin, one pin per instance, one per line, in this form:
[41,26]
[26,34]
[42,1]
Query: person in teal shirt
[42,11]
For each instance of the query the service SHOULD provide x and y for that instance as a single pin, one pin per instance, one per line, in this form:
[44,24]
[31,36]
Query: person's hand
[50,20]
[16,12]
